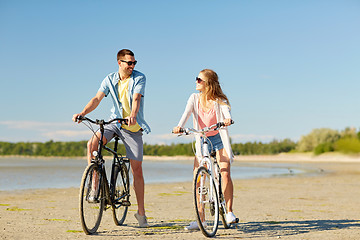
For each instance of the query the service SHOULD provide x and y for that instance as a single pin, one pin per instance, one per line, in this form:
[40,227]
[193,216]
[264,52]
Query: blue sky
[286,66]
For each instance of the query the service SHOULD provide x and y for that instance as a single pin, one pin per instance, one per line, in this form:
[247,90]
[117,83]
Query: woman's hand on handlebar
[228,122]
[176,130]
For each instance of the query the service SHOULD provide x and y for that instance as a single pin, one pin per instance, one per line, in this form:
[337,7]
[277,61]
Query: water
[33,173]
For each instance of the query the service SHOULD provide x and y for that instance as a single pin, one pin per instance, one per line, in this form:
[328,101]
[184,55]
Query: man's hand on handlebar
[131,120]
[77,117]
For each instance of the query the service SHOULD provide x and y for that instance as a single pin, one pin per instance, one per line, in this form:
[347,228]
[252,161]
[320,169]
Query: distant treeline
[74,149]
[318,141]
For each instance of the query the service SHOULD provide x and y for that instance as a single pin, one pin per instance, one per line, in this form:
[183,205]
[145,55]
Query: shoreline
[155,171]
[282,157]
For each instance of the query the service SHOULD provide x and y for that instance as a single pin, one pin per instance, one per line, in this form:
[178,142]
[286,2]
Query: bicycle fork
[102,183]
[202,190]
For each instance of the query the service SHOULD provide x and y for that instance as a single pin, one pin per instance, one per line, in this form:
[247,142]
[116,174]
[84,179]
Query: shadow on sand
[258,230]
[285,228]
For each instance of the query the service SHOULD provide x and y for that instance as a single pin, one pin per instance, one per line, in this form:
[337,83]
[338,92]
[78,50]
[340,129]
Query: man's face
[126,64]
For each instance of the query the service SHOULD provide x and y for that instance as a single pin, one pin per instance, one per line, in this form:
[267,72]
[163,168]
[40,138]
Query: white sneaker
[91,198]
[230,218]
[194,226]
[142,220]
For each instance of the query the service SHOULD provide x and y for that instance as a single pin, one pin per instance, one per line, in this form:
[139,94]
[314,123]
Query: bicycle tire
[90,212]
[222,210]
[206,206]
[121,194]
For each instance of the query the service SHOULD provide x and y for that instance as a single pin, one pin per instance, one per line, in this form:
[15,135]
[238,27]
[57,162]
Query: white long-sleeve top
[222,112]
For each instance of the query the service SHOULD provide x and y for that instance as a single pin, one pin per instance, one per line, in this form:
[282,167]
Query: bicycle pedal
[125,203]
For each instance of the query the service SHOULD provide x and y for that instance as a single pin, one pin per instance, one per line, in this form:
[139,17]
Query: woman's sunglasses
[199,80]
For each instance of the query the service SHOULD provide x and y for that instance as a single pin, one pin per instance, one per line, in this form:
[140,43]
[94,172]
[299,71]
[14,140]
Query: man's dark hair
[124,52]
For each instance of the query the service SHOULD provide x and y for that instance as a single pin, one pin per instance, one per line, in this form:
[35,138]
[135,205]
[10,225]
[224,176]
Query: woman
[208,107]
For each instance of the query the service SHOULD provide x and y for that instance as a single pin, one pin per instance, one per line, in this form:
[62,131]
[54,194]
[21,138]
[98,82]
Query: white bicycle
[209,199]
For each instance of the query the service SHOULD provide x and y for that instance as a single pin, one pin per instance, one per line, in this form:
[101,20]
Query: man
[126,88]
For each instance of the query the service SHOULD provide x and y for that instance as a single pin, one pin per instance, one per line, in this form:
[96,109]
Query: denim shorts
[215,143]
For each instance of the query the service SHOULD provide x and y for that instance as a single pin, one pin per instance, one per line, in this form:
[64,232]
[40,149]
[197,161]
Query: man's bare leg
[139,185]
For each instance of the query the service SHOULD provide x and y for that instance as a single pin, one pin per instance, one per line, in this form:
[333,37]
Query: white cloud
[67,135]
[43,131]
[34,125]
[251,138]
[168,138]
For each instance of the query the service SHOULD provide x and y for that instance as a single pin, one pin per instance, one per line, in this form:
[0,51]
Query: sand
[321,206]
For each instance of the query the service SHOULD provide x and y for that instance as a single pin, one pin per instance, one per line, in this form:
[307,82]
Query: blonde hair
[213,89]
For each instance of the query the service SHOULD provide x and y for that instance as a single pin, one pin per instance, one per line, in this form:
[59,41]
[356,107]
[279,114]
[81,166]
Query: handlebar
[213,127]
[102,122]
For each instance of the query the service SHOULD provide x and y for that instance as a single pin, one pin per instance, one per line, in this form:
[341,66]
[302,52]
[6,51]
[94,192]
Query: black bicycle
[96,192]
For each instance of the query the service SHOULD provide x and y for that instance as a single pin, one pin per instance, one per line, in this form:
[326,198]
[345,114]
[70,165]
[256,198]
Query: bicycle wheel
[91,201]
[121,194]
[206,202]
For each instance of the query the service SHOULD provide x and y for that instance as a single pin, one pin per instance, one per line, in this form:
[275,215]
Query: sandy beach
[321,206]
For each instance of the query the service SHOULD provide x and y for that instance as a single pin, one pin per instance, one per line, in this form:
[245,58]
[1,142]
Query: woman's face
[200,82]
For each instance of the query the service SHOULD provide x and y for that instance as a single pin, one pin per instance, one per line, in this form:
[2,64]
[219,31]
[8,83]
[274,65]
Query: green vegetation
[51,148]
[16,209]
[56,219]
[318,141]
[327,140]
[257,148]
[317,137]
[172,227]
[77,149]
[347,145]
[74,231]
[169,150]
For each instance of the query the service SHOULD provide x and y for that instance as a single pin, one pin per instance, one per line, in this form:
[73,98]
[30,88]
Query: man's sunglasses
[199,80]
[129,62]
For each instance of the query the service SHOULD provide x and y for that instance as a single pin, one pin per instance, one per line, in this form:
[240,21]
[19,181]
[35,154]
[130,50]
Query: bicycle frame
[116,161]
[109,190]
[214,168]
[206,157]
